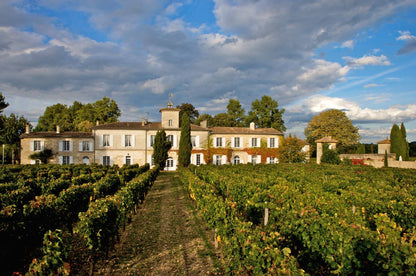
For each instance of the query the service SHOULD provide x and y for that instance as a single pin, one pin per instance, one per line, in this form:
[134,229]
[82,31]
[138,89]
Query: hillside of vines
[307,219]
[50,214]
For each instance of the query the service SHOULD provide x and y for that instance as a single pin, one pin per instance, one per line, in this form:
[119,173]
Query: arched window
[236,160]
[169,163]
[86,160]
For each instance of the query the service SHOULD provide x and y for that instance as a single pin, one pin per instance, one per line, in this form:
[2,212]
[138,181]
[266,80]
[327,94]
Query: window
[127,140]
[66,145]
[37,146]
[236,160]
[271,143]
[85,146]
[254,142]
[219,142]
[218,160]
[272,160]
[236,142]
[254,159]
[169,138]
[169,162]
[170,123]
[106,140]
[128,160]
[198,159]
[86,160]
[152,140]
[106,160]
[65,160]
[193,141]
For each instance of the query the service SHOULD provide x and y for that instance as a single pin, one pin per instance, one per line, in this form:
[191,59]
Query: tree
[236,112]
[185,145]
[57,114]
[222,119]
[397,142]
[14,126]
[406,144]
[160,149]
[204,117]
[329,156]
[290,150]
[265,113]
[360,149]
[334,123]
[190,110]
[3,103]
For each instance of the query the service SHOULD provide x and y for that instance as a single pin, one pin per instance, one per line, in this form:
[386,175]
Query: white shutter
[241,142]
[80,146]
[175,141]
[101,137]
[148,141]
[91,146]
[232,142]
[123,140]
[268,160]
[224,159]
[202,158]
[214,157]
[61,143]
[250,159]
[215,142]
[71,146]
[42,145]
[111,140]
[32,146]
[111,161]
[101,160]
[258,142]
[71,160]
[249,142]
[149,160]
[61,161]
[223,142]
[276,142]
[268,144]
[197,141]
[133,141]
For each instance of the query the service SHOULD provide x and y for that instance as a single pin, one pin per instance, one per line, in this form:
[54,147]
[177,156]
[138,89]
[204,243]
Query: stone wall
[377,160]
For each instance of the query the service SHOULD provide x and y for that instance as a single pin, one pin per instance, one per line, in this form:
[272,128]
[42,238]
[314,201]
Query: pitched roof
[140,126]
[385,141]
[244,130]
[53,134]
[326,139]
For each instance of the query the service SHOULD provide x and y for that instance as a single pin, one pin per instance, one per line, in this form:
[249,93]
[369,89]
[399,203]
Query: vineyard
[48,212]
[309,219]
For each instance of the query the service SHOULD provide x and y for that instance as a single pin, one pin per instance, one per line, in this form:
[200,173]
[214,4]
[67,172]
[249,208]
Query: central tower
[170,115]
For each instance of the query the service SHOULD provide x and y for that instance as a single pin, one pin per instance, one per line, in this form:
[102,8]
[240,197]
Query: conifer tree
[406,144]
[397,142]
[160,149]
[185,145]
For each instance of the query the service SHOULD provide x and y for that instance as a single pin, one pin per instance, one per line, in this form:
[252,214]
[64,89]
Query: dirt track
[165,237]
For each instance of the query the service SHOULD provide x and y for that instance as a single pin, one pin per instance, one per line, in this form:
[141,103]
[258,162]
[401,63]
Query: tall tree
[160,149]
[223,119]
[185,145]
[397,142]
[236,112]
[3,103]
[334,123]
[290,150]
[406,144]
[57,114]
[14,126]
[190,110]
[265,113]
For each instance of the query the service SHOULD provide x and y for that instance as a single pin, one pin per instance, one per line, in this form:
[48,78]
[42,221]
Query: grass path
[165,237]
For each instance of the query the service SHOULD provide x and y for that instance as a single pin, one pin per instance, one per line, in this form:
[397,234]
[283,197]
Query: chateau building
[125,143]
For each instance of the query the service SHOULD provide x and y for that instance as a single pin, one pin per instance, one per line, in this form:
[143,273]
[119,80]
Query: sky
[358,56]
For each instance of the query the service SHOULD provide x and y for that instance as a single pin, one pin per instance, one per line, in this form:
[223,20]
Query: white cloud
[367,60]
[372,85]
[405,35]
[157,86]
[348,44]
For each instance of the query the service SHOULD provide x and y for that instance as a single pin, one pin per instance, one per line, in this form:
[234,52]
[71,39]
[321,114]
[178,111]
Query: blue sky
[310,56]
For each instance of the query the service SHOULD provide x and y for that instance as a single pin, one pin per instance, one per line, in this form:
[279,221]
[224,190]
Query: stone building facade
[123,143]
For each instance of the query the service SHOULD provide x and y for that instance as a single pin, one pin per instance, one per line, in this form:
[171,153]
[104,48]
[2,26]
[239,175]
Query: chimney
[144,122]
[204,124]
[27,129]
[252,126]
[58,129]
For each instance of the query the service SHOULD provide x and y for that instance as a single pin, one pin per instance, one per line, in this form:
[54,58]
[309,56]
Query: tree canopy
[290,150]
[78,116]
[192,112]
[398,143]
[334,123]
[265,113]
